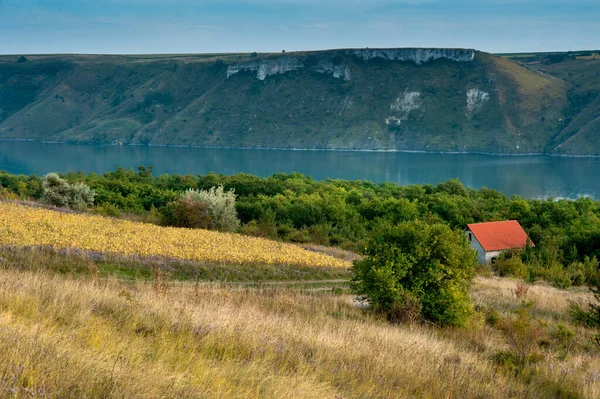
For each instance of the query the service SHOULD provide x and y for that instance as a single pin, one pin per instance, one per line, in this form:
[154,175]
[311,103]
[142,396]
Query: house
[492,238]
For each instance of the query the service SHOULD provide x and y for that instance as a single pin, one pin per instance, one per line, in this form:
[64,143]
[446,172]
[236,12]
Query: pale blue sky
[200,26]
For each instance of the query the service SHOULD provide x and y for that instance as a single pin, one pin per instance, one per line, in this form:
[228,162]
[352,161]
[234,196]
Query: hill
[580,128]
[364,99]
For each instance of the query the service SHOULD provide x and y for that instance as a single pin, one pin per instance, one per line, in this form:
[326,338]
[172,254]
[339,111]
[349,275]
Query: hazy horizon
[232,26]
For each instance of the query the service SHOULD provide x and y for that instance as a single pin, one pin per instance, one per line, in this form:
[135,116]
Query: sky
[205,26]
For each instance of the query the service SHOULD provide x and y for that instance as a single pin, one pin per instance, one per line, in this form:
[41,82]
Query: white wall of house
[483,257]
[490,256]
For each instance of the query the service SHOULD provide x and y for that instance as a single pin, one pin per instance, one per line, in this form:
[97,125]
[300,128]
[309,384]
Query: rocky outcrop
[282,65]
[404,105]
[475,100]
[267,67]
[338,71]
[409,102]
[417,55]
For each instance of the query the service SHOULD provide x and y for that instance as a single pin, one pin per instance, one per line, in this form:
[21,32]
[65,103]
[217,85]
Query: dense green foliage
[414,265]
[296,208]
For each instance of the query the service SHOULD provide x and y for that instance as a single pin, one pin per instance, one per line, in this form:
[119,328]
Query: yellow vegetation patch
[26,226]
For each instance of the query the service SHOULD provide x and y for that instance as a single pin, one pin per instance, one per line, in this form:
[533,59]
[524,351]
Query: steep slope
[579,132]
[385,99]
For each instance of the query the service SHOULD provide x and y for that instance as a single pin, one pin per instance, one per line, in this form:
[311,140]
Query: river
[535,176]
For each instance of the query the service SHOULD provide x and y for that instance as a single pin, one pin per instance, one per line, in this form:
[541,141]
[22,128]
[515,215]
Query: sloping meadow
[25,226]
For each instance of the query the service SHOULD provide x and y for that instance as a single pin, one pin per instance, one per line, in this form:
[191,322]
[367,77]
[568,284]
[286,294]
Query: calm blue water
[527,176]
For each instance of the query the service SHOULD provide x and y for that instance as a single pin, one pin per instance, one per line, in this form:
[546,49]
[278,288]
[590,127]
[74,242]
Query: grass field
[66,338]
[24,226]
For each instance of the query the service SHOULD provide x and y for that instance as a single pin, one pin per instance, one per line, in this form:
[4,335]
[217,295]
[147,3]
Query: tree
[185,212]
[212,209]
[58,192]
[417,265]
[22,59]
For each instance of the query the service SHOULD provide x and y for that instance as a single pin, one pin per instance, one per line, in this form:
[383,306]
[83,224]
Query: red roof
[498,236]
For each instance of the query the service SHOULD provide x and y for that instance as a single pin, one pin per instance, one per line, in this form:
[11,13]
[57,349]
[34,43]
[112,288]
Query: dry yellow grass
[531,87]
[76,338]
[28,226]
[500,293]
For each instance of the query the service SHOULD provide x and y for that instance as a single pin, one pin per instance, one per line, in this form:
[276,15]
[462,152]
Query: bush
[212,209]
[59,192]
[511,264]
[430,263]
[184,212]
[584,315]
[558,276]
[522,334]
[107,209]
[589,315]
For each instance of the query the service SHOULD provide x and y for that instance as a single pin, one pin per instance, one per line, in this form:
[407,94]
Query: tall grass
[103,338]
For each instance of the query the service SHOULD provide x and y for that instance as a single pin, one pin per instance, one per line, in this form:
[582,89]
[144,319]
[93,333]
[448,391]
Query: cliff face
[387,99]
[417,55]
[267,67]
[325,64]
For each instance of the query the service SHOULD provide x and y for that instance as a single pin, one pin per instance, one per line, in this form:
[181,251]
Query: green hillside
[393,99]
[580,129]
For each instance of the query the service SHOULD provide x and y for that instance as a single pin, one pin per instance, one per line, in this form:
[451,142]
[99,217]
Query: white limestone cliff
[475,100]
[417,55]
[338,71]
[282,65]
[267,67]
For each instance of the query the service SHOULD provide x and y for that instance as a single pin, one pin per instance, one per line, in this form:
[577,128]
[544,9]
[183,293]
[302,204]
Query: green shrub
[212,209]
[511,265]
[492,317]
[576,273]
[522,334]
[184,212]
[591,269]
[430,263]
[108,209]
[589,315]
[266,225]
[300,236]
[563,336]
[558,276]
[320,233]
[583,315]
[59,192]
